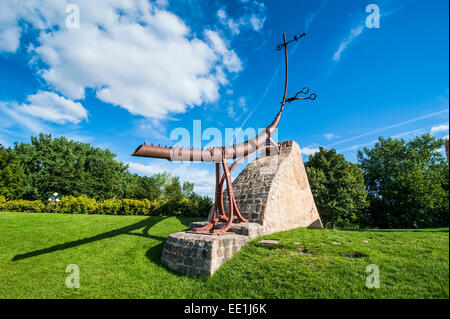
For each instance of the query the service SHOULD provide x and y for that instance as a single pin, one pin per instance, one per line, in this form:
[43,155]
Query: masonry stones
[272,192]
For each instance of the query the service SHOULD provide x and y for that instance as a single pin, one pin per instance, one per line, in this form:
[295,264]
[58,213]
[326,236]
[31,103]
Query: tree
[173,189]
[46,165]
[133,186]
[69,168]
[11,174]
[188,189]
[338,188]
[407,182]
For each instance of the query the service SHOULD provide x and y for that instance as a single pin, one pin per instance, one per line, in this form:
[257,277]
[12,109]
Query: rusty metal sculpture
[221,154]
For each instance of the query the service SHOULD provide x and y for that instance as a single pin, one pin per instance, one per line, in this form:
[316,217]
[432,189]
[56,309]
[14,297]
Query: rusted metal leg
[238,213]
[219,198]
[217,209]
[268,148]
[230,196]
[270,143]
[275,145]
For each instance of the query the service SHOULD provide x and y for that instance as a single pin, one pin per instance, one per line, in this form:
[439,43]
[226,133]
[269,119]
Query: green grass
[119,257]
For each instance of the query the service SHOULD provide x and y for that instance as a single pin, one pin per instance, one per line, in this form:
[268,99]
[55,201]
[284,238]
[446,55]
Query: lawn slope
[119,257]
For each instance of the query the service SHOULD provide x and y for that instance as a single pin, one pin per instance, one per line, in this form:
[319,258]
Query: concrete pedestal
[202,254]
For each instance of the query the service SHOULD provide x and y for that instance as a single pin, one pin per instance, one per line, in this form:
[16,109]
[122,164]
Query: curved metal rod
[219,196]
[230,195]
[215,154]
[222,181]
[213,220]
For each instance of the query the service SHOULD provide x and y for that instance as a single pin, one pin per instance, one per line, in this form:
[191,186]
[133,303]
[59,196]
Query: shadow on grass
[187,221]
[146,223]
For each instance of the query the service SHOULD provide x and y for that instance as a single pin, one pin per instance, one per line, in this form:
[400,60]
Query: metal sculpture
[221,154]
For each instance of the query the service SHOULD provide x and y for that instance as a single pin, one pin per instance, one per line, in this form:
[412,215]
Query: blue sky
[135,71]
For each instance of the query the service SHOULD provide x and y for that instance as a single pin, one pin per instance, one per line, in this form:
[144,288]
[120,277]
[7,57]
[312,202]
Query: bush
[73,205]
[109,206]
[133,207]
[189,207]
[23,206]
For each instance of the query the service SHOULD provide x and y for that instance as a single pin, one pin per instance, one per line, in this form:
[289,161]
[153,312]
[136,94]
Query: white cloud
[242,101]
[11,115]
[203,179]
[230,109]
[330,136]
[9,39]
[257,22]
[53,108]
[132,54]
[309,150]
[234,26]
[241,105]
[229,57]
[439,128]
[389,127]
[354,33]
[312,16]
[253,18]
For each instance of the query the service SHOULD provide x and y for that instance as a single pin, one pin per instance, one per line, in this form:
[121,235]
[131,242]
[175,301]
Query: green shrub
[183,206]
[133,207]
[21,205]
[2,203]
[109,206]
[76,205]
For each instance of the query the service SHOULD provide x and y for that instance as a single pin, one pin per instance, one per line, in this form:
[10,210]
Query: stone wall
[200,254]
[274,191]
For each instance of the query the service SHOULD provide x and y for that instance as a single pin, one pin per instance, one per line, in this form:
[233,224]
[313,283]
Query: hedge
[196,207]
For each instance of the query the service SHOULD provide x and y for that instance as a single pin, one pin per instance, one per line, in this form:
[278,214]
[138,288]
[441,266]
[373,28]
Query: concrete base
[202,254]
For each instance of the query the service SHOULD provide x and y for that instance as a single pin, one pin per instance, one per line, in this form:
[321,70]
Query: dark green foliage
[142,187]
[337,187]
[48,165]
[11,174]
[69,168]
[407,183]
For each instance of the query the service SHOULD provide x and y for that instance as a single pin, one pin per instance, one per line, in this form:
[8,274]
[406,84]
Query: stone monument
[271,194]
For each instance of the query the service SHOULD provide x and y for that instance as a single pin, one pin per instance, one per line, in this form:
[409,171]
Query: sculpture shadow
[127,230]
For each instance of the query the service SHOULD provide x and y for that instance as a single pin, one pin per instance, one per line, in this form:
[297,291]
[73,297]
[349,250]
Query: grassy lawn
[119,257]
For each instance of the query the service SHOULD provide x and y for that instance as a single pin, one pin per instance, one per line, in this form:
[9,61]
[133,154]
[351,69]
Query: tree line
[35,170]
[394,184]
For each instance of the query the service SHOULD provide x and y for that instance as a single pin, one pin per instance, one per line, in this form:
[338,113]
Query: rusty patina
[220,155]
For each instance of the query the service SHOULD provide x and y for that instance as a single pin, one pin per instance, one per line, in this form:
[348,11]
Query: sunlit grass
[119,257]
